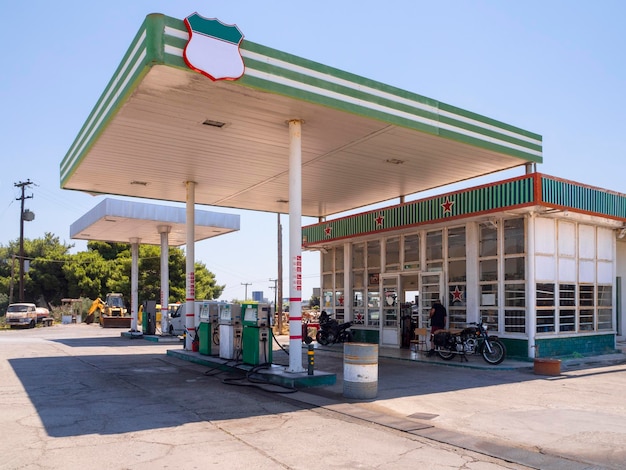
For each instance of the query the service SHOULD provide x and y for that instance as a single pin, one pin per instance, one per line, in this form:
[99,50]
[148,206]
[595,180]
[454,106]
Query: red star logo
[358,318]
[447,206]
[457,294]
[380,220]
[328,230]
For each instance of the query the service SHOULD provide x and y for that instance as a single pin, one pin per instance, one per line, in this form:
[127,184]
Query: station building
[198,115]
[538,258]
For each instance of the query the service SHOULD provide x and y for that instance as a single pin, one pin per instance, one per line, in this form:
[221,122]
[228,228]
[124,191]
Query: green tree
[86,273]
[45,277]
[314,301]
[44,282]
[105,267]
[149,275]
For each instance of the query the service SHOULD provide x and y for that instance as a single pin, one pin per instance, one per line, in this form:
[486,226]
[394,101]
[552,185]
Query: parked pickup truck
[22,314]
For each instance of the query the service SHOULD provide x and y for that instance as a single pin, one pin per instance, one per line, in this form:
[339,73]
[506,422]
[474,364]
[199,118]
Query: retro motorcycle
[473,339]
[331,331]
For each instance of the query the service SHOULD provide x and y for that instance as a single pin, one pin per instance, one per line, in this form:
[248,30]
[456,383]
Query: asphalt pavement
[79,396]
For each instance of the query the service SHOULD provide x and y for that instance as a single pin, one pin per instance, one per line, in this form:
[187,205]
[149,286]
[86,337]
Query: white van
[22,314]
[176,319]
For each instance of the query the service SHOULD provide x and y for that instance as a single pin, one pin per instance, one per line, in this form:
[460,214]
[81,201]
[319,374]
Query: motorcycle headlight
[484,326]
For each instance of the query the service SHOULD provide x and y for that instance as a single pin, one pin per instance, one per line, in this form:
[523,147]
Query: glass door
[431,289]
[390,321]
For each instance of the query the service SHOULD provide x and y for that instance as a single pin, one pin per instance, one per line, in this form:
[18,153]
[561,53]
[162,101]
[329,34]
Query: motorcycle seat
[452,331]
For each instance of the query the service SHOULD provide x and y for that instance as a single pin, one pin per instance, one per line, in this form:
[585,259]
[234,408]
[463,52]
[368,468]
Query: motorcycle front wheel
[322,338]
[497,354]
[445,354]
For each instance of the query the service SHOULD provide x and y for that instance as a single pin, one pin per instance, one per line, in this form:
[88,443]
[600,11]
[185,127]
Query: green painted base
[273,374]
[365,336]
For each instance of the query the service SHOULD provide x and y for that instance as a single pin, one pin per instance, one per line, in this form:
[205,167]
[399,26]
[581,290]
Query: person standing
[437,316]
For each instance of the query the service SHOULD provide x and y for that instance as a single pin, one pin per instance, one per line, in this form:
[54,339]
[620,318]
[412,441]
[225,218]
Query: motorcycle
[473,339]
[331,331]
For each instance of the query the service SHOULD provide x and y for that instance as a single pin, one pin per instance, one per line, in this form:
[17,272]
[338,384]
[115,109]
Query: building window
[457,277]
[514,307]
[411,251]
[605,307]
[339,258]
[514,268]
[373,256]
[373,290]
[333,283]
[434,251]
[358,307]
[358,256]
[327,292]
[392,254]
[488,242]
[545,307]
[456,243]
[514,271]
[514,236]
[358,283]
[489,304]
[373,307]
[339,297]
[488,274]
[586,295]
[488,270]
[567,307]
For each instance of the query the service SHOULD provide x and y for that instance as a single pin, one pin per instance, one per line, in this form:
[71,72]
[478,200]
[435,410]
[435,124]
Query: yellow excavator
[111,313]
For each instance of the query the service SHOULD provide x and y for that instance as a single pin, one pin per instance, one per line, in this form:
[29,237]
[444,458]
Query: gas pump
[148,318]
[257,334]
[230,330]
[208,330]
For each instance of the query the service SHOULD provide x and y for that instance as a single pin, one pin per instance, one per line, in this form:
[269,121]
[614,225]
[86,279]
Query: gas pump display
[257,334]
[229,330]
[208,330]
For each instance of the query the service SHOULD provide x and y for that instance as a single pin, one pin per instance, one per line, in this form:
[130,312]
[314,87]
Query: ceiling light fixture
[394,161]
[212,123]
[139,183]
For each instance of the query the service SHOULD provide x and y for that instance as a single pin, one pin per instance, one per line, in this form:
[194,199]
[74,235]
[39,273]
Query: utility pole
[246,284]
[23,186]
[275,293]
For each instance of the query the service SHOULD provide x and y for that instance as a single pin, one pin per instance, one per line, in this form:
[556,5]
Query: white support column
[134,282]
[190,296]
[348,294]
[472,288]
[295,246]
[164,230]
[531,296]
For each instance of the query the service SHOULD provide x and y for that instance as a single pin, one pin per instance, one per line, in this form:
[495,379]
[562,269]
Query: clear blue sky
[554,67]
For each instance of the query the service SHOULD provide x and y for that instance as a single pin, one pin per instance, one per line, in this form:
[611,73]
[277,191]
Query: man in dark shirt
[438,316]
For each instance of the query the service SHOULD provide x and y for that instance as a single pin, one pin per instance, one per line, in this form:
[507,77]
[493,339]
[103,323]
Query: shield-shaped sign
[213,48]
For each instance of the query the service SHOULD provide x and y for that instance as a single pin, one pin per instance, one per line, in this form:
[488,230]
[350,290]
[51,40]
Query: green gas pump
[208,331]
[257,334]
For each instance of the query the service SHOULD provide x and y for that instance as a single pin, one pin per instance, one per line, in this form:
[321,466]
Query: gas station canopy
[119,221]
[159,124]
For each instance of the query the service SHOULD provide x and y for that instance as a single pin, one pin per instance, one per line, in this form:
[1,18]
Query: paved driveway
[78,396]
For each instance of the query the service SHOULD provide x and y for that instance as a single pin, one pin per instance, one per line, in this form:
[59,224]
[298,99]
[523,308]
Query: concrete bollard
[360,370]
